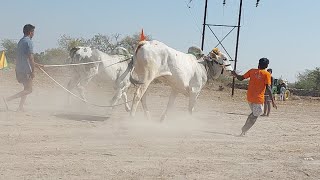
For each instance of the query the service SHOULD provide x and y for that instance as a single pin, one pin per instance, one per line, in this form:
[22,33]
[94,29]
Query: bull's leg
[172,98]
[120,93]
[125,99]
[145,107]
[81,90]
[116,97]
[71,85]
[85,81]
[137,97]
[192,101]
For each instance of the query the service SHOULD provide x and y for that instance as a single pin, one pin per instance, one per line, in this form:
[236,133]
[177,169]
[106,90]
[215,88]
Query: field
[53,140]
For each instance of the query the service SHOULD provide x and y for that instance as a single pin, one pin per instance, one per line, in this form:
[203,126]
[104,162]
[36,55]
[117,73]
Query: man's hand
[32,75]
[233,73]
[239,77]
[38,65]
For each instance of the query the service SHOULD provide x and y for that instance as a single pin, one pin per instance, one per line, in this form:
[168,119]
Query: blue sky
[285,31]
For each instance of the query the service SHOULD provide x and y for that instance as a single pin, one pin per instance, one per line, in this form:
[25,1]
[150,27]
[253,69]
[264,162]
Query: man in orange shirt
[259,83]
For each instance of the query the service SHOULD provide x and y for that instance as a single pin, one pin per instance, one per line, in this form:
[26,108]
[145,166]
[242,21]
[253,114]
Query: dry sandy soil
[52,140]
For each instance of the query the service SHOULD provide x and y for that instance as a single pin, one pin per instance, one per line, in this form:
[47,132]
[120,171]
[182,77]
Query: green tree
[102,42]
[131,42]
[10,47]
[66,42]
[52,56]
[39,57]
[310,79]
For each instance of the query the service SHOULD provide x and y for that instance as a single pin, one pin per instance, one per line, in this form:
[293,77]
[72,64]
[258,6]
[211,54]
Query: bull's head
[219,58]
[73,51]
[82,54]
[226,62]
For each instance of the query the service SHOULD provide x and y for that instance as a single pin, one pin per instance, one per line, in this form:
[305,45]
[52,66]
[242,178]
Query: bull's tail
[126,72]
[134,81]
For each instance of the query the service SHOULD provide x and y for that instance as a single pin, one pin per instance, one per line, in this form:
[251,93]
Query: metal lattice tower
[220,41]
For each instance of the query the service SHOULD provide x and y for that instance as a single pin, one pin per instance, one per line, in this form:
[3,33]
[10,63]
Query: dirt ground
[53,140]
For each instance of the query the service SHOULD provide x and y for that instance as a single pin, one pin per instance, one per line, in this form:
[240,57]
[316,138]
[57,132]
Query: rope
[78,64]
[83,100]
[64,65]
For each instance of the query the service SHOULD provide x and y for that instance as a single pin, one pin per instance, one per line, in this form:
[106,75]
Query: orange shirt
[257,84]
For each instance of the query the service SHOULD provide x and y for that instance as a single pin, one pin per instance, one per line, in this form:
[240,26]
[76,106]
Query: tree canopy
[102,42]
[58,55]
[310,79]
[10,47]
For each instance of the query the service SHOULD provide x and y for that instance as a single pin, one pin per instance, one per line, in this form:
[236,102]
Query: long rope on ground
[83,100]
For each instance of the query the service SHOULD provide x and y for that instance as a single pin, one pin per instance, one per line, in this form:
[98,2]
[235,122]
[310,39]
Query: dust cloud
[56,140]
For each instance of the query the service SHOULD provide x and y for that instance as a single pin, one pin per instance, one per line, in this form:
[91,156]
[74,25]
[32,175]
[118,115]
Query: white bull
[184,73]
[116,72]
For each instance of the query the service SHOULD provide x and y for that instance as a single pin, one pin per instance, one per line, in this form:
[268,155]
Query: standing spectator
[282,92]
[267,98]
[260,81]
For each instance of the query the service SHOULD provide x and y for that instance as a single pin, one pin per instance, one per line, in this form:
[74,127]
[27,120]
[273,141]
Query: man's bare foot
[263,115]
[242,134]
[5,104]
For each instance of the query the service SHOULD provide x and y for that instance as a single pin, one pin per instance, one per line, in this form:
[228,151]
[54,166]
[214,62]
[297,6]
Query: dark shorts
[267,98]
[23,77]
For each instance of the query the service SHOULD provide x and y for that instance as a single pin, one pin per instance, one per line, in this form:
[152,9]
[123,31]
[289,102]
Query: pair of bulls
[184,73]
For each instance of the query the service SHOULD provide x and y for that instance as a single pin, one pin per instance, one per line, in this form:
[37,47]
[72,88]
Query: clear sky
[285,31]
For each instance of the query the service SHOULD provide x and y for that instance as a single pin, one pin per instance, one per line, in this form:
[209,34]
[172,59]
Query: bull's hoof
[147,114]
[163,117]
[128,109]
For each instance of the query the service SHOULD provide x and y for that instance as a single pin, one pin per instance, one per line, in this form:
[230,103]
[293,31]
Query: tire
[287,95]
